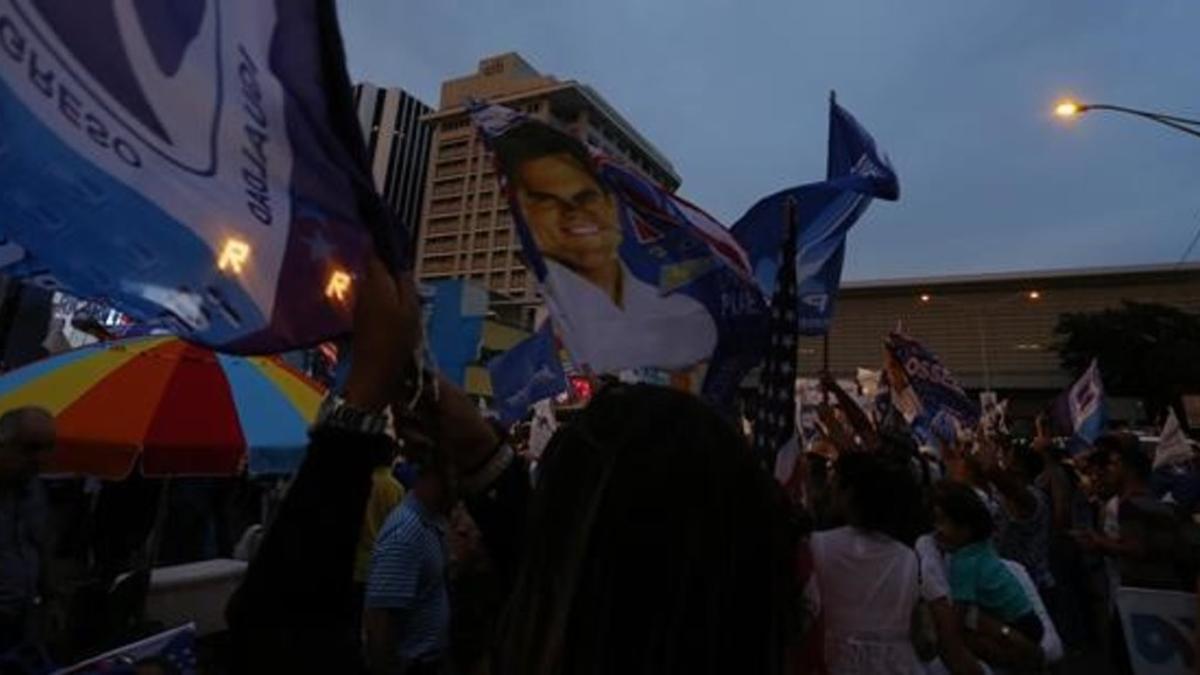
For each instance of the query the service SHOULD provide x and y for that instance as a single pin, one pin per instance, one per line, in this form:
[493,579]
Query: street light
[1066,109]
[1070,109]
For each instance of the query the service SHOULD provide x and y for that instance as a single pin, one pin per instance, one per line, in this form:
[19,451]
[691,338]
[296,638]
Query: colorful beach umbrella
[181,409]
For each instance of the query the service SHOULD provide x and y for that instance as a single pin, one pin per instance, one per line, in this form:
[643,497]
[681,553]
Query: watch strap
[478,480]
[336,413]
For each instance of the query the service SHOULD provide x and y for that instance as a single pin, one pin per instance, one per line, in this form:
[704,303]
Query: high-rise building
[397,145]
[466,229]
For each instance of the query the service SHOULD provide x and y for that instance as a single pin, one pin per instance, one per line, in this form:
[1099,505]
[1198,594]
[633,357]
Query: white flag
[542,428]
[1173,445]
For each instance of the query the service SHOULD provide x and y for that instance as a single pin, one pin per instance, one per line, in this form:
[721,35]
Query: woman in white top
[867,574]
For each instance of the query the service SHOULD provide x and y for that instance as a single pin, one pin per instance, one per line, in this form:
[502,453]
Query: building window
[437,265]
[453,149]
[450,168]
[441,207]
[442,245]
[443,225]
[448,188]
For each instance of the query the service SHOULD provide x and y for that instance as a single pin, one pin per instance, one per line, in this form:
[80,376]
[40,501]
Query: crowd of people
[650,539]
[654,541]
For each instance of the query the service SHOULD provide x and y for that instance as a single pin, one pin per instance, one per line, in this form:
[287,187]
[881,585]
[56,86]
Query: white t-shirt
[649,329]
[868,589]
[934,584]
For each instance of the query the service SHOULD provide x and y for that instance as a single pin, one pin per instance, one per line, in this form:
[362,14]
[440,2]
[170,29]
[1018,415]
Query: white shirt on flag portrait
[649,329]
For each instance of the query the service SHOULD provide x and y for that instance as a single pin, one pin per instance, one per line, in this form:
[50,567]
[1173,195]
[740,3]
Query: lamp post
[1069,109]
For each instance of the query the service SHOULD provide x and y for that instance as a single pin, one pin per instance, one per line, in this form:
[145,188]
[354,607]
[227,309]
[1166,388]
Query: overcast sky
[957,92]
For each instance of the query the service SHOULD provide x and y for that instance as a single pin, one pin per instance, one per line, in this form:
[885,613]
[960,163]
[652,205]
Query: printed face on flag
[631,277]
[572,216]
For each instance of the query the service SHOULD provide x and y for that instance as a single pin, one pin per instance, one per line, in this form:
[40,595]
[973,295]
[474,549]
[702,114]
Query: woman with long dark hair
[654,543]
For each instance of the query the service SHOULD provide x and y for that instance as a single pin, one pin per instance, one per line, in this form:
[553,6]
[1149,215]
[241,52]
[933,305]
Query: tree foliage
[1145,350]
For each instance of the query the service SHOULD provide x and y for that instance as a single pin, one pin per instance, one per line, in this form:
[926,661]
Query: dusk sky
[958,93]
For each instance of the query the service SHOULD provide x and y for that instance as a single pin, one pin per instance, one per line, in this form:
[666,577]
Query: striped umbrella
[182,409]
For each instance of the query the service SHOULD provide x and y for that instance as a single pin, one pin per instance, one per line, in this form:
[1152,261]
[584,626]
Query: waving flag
[194,163]
[1079,412]
[1174,447]
[924,391]
[775,423]
[526,374]
[633,276]
[856,173]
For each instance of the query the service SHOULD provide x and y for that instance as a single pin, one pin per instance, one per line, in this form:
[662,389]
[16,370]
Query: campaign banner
[454,311]
[924,390]
[1159,629]
[195,164]
[528,373]
[633,276]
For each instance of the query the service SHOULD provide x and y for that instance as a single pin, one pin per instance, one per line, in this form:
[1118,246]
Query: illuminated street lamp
[1070,109]
[1067,109]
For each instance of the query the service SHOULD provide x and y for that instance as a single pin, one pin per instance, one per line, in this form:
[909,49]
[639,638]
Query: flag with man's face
[632,275]
[194,163]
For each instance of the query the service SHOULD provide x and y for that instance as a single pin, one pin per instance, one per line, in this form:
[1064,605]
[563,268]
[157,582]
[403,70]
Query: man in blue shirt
[27,437]
[407,603]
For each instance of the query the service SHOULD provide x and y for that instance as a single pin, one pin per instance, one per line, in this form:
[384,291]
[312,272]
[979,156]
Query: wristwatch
[336,413]
[1005,632]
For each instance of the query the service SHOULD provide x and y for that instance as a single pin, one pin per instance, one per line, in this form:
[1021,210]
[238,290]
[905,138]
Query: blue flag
[194,163]
[1079,412]
[826,211]
[454,328]
[924,391]
[526,374]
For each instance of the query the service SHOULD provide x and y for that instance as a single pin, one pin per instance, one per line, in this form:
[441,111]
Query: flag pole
[825,362]
[828,175]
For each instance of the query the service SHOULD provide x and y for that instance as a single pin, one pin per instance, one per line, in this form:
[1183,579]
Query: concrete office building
[397,145]
[466,229]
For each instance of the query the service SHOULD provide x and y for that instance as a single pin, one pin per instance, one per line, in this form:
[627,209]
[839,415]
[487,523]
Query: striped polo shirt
[408,576]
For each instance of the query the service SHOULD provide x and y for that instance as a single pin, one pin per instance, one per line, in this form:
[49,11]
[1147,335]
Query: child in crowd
[980,582]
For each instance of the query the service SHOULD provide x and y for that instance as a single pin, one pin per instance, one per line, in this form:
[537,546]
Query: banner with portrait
[633,276]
